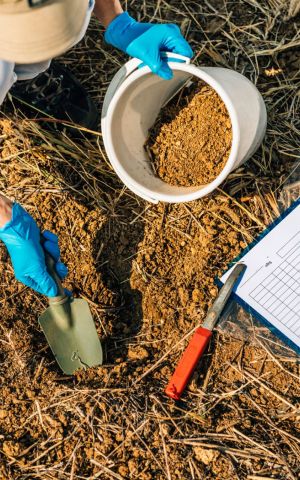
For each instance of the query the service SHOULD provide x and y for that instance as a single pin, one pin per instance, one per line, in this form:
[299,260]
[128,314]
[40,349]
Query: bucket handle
[170,56]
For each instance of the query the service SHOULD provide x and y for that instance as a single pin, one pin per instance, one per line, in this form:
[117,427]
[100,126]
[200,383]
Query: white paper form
[270,285]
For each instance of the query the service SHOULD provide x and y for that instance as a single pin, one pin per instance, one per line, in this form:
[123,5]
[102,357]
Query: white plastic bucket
[132,103]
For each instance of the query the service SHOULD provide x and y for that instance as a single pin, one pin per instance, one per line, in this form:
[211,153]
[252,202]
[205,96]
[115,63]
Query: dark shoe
[59,94]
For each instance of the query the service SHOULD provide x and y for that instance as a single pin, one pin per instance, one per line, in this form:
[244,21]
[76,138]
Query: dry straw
[240,416]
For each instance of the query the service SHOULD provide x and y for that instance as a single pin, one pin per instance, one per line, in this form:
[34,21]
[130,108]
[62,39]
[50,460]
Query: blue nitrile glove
[22,238]
[147,41]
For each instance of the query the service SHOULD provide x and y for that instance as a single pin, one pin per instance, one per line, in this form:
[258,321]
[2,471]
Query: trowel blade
[74,342]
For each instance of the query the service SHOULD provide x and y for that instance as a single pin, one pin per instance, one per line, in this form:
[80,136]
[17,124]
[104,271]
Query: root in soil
[191,140]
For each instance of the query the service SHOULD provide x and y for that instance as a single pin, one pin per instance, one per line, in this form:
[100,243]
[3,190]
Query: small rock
[137,353]
[11,449]
[205,455]
[3,414]
[196,295]
[123,471]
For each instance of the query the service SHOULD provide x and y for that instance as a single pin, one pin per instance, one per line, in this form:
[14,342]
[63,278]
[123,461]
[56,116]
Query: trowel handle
[61,297]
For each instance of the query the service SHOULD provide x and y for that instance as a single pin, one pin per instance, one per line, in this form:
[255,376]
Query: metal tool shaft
[216,309]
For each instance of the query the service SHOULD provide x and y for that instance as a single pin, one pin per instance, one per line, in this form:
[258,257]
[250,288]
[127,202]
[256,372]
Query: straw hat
[37,30]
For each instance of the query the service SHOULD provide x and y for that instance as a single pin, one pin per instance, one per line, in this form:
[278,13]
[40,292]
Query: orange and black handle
[188,362]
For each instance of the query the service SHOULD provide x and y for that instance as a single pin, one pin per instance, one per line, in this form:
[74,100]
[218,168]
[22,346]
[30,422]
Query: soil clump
[190,142]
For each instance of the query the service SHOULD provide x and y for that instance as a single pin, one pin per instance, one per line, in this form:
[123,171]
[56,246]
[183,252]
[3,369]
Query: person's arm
[5,210]
[107,10]
[145,41]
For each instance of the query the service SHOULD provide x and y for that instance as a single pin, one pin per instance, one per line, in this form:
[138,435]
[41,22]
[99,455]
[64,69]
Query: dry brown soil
[148,273]
[191,140]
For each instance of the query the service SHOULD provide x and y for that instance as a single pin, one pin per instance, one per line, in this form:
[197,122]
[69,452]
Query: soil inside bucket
[190,141]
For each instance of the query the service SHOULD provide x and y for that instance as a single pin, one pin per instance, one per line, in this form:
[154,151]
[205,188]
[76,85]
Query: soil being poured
[190,142]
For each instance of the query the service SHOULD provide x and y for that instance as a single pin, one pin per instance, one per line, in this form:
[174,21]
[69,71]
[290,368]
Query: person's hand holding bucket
[147,42]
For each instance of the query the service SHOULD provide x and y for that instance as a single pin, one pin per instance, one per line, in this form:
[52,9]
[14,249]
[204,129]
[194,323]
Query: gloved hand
[23,241]
[147,41]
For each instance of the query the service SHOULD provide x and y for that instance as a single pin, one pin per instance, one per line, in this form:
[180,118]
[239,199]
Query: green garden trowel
[70,330]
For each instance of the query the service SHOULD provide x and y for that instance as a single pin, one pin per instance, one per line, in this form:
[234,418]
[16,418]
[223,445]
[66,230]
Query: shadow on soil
[118,240]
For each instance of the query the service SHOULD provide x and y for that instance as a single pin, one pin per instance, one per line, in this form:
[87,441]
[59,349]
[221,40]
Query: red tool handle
[188,362]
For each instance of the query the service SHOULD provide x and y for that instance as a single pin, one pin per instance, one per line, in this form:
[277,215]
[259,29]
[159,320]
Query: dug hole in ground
[148,273]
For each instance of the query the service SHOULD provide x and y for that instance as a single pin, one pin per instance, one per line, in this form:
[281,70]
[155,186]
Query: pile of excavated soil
[191,140]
